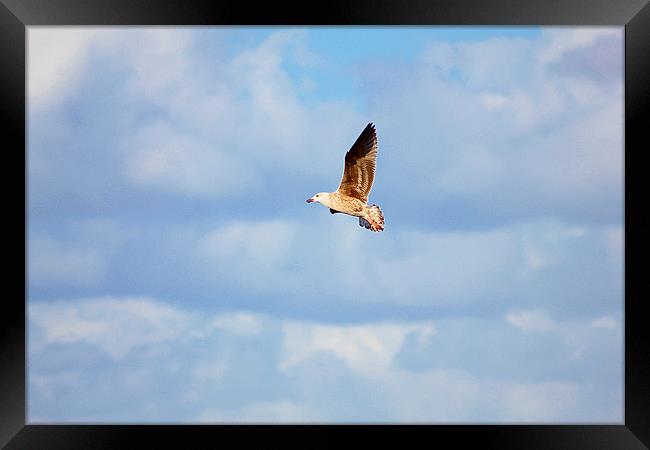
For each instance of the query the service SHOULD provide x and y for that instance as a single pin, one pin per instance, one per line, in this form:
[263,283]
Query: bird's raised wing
[359,170]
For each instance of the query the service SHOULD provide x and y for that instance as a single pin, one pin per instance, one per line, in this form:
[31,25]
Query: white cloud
[212,370]
[604,323]
[265,98]
[272,92]
[56,62]
[162,158]
[558,42]
[480,62]
[158,60]
[239,323]
[579,336]
[263,244]
[364,348]
[494,101]
[532,320]
[439,55]
[116,325]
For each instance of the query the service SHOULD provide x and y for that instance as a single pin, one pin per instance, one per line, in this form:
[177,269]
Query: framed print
[360,218]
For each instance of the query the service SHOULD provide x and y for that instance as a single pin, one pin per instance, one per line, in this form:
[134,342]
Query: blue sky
[175,273]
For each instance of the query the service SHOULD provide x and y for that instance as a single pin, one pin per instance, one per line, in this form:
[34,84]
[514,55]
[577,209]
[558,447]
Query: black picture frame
[634,15]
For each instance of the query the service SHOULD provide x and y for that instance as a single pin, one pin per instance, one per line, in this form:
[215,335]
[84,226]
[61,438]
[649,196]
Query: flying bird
[358,174]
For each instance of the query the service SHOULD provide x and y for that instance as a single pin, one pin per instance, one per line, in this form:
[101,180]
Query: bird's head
[321,197]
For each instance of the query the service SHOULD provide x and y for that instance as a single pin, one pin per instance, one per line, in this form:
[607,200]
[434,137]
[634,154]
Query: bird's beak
[311,200]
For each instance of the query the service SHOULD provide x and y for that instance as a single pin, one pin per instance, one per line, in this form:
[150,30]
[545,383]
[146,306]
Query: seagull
[351,197]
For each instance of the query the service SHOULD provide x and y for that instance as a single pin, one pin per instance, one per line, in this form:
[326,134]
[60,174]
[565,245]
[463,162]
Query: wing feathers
[359,170]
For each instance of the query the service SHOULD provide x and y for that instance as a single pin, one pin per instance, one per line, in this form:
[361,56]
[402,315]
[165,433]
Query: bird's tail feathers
[376,222]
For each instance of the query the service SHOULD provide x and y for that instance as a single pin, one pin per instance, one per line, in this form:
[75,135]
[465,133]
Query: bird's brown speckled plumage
[359,170]
[358,175]
[346,204]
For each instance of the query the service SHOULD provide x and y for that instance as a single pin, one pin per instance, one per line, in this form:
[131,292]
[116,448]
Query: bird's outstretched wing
[359,170]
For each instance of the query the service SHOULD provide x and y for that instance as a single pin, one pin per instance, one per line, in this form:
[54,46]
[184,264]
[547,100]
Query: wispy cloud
[364,348]
[535,320]
[162,158]
[606,323]
[56,63]
[114,325]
